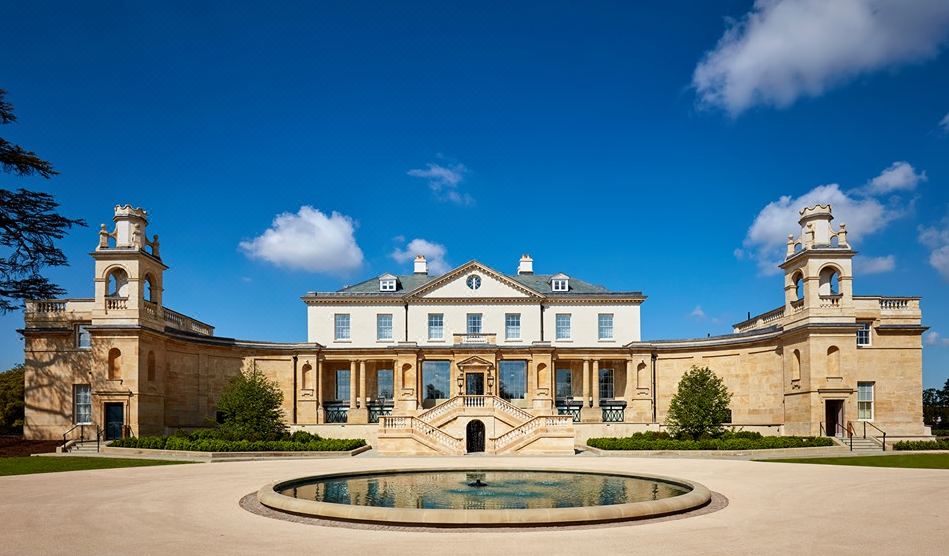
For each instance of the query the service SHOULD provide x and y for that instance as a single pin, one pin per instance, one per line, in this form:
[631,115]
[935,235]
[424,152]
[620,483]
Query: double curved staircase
[425,432]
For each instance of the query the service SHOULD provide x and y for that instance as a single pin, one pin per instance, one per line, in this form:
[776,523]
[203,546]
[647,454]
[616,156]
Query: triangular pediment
[474,280]
[475,361]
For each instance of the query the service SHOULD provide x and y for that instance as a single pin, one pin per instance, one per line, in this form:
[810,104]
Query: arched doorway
[474,436]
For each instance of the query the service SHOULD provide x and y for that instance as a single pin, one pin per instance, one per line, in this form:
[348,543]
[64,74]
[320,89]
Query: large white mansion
[475,359]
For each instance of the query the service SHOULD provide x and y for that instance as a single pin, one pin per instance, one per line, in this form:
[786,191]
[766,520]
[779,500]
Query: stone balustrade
[535,426]
[487,338]
[116,303]
[187,324]
[830,301]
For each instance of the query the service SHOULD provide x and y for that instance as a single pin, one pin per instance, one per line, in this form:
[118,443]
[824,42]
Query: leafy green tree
[250,407]
[700,405]
[29,226]
[11,400]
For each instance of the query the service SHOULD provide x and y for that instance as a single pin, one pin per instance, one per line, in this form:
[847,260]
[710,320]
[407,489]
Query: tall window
[606,384]
[82,404]
[384,327]
[83,337]
[512,326]
[863,334]
[513,380]
[563,326]
[384,387]
[605,326]
[436,326]
[342,327]
[435,379]
[564,383]
[474,323]
[342,384]
[865,401]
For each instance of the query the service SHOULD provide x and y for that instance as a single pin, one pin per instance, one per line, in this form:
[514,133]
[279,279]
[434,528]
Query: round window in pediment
[474,282]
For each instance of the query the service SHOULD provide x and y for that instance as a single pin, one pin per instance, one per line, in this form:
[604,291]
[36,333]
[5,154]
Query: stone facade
[521,363]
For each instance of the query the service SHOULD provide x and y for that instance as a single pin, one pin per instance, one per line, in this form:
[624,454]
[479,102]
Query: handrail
[847,431]
[883,432]
[82,434]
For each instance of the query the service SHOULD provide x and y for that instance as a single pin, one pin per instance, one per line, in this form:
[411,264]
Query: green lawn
[27,465]
[924,461]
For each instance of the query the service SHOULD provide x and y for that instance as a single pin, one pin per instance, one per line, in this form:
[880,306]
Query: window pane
[564,383]
[436,326]
[82,396]
[342,327]
[342,385]
[513,380]
[606,326]
[563,327]
[435,378]
[384,327]
[384,385]
[512,326]
[83,338]
[606,384]
[474,323]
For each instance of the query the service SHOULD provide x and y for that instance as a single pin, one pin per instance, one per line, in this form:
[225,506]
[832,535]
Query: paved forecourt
[193,509]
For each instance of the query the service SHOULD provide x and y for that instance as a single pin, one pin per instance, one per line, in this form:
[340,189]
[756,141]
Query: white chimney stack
[421,267]
[526,266]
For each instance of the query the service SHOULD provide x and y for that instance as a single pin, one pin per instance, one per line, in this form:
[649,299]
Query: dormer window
[560,283]
[387,283]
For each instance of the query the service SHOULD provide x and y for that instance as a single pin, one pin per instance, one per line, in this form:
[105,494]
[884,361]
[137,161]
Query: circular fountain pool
[483,497]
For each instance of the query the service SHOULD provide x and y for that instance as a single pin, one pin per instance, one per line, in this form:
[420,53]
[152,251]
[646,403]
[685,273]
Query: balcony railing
[485,338]
[116,303]
[830,301]
[188,324]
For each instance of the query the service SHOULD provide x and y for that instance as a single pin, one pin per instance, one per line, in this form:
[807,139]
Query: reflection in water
[498,490]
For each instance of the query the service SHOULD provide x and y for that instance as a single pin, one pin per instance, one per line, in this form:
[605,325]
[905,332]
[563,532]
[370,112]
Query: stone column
[362,384]
[586,382]
[352,385]
[595,379]
[320,418]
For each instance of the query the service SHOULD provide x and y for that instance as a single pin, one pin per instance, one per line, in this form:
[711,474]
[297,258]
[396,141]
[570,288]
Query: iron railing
[881,431]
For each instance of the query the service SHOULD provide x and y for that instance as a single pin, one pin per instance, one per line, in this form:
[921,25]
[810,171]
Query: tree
[700,405]
[250,407]
[29,226]
[11,400]
[936,406]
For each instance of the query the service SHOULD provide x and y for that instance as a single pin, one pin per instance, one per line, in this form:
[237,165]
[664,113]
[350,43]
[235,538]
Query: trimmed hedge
[910,445]
[209,440]
[729,441]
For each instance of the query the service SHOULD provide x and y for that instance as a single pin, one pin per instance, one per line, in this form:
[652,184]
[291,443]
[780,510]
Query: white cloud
[874,265]
[766,240]
[308,240]
[933,338]
[786,49]
[944,123]
[697,313]
[900,176]
[444,181]
[936,238]
[434,254]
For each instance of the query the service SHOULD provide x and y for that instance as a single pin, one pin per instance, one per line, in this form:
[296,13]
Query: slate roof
[537,282]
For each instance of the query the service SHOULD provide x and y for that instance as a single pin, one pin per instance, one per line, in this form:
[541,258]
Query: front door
[114,420]
[474,436]
[834,410]
[474,384]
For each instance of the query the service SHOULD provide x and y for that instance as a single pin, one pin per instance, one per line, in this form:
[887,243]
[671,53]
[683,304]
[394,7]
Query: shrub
[908,445]
[205,442]
[940,432]
[654,441]
[12,406]
[699,406]
[251,408]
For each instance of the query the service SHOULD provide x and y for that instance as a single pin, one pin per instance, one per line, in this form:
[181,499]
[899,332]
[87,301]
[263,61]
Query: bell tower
[128,272]
[818,268]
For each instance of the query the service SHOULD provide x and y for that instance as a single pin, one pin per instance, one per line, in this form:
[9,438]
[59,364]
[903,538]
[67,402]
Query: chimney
[421,267]
[526,266]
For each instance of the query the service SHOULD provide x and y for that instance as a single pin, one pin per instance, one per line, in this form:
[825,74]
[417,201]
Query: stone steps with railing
[533,430]
[465,404]
[429,435]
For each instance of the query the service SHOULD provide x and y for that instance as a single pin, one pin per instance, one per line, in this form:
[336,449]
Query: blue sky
[657,147]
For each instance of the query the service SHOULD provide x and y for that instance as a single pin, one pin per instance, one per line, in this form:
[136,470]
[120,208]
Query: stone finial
[103,237]
[842,236]
[790,245]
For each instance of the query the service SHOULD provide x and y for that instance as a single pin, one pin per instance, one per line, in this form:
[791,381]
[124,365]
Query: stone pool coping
[763,453]
[697,497]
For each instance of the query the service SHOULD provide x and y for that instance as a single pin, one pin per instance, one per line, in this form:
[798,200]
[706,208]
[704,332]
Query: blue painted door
[114,420]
